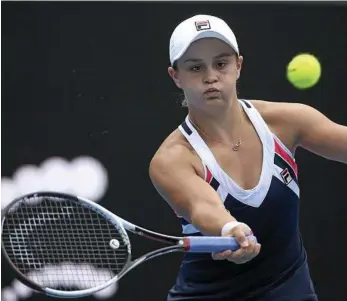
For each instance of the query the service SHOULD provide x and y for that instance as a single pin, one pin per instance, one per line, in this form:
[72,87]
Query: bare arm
[304,126]
[175,178]
[319,134]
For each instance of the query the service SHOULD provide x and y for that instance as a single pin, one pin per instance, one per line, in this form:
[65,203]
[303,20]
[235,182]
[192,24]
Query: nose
[210,76]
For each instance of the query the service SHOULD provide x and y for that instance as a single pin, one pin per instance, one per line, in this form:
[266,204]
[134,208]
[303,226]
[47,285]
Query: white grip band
[228,226]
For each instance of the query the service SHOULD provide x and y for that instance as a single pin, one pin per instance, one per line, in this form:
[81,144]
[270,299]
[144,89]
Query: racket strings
[62,244]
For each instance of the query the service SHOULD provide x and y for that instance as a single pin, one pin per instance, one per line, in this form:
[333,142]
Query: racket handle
[208,244]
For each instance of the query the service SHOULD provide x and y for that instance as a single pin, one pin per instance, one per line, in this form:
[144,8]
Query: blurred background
[86,101]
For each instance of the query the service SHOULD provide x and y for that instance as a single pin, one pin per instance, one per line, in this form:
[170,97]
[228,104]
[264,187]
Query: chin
[215,100]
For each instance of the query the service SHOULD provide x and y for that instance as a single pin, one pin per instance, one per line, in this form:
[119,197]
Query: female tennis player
[229,169]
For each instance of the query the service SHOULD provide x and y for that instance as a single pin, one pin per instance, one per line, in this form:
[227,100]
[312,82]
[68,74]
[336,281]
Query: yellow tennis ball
[304,71]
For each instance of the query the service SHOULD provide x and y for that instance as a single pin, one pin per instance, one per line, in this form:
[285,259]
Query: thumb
[240,236]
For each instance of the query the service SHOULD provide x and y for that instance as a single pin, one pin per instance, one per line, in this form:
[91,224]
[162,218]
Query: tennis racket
[68,247]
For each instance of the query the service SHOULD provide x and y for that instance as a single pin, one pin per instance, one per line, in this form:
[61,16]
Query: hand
[249,247]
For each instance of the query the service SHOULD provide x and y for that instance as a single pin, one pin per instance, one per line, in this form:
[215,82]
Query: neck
[223,126]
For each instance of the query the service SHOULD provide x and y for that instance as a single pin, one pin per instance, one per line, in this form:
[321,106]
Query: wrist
[228,227]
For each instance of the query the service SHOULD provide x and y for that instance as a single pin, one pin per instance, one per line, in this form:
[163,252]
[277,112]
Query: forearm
[210,219]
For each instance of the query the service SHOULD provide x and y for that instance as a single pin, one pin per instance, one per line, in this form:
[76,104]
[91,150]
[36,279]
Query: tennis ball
[304,71]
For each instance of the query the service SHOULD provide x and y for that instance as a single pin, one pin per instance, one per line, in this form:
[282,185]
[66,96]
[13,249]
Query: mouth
[211,90]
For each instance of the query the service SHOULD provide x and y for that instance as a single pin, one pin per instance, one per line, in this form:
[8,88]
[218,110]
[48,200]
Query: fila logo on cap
[202,25]
[286,176]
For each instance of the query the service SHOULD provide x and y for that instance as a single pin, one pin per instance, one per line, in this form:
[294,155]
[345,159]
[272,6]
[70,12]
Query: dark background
[89,78]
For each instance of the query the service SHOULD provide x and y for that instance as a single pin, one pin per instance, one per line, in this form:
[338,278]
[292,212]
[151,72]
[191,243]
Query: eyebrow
[224,54]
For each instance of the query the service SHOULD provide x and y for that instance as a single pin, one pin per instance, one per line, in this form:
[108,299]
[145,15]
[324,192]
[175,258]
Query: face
[207,72]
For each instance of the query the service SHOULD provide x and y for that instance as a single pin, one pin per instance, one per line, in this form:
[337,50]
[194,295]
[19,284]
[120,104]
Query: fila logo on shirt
[202,25]
[286,176]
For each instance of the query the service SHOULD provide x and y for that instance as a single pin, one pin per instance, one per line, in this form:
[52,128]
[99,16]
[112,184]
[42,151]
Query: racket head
[60,244]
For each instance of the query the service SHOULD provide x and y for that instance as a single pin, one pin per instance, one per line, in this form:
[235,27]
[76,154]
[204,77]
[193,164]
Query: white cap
[198,27]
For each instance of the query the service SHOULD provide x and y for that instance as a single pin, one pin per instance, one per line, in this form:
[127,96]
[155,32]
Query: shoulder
[175,151]
[286,113]
[273,111]
[285,119]
[309,128]
[174,147]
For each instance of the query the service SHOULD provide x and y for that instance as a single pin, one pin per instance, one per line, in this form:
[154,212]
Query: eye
[196,68]
[221,64]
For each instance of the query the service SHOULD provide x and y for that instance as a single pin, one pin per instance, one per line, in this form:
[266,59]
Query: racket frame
[176,244]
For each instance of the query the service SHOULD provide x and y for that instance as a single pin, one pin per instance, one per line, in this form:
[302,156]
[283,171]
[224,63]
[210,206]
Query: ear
[174,75]
[239,65]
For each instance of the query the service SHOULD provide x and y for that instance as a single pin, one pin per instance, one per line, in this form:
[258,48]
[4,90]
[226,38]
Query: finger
[240,259]
[257,248]
[252,251]
[216,256]
[240,236]
[251,247]
[237,254]
[245,254]
[221,255]
[252,238]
